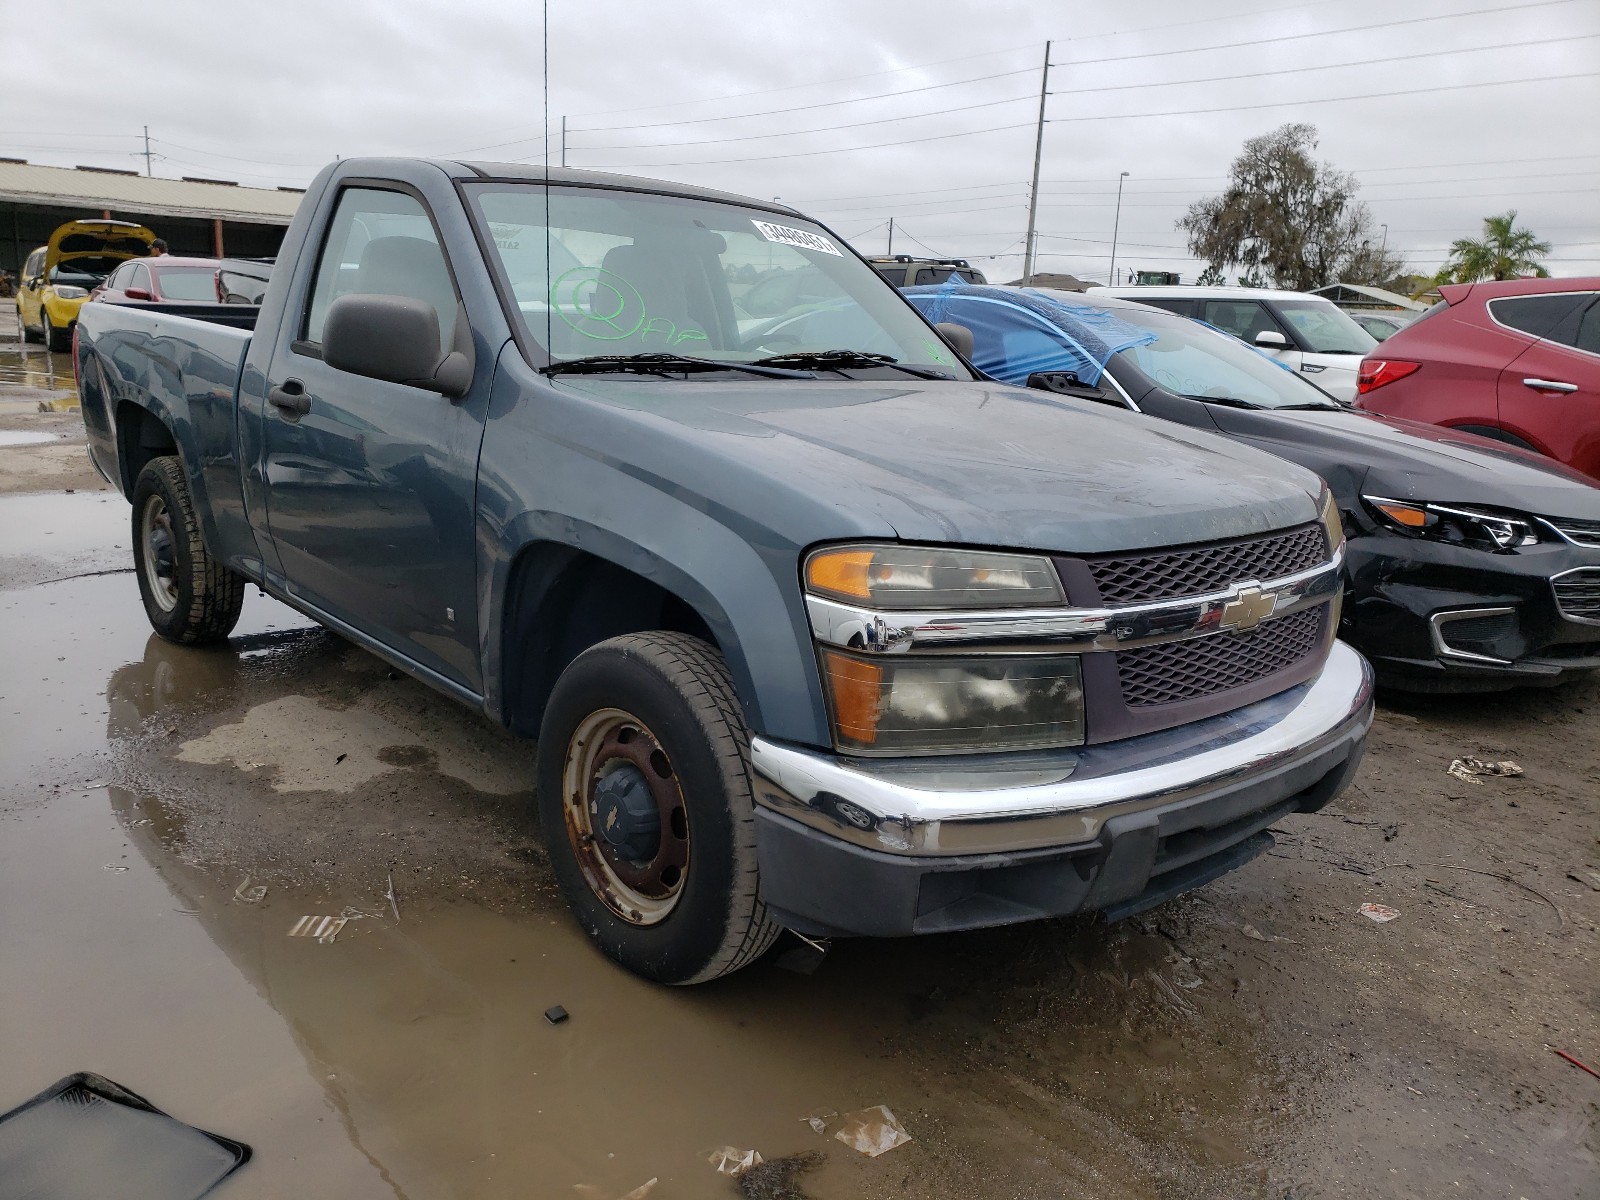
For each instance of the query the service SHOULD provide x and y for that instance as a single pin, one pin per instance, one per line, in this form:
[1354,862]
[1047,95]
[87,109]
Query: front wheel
[59,341]
[646,807]
[189,596]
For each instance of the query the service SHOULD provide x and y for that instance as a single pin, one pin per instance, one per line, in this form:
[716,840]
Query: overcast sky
[797,101]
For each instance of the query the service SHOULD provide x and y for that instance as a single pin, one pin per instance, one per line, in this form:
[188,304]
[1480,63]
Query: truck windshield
[627,273]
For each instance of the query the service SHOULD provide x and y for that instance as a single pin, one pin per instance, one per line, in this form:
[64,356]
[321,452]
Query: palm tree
[1503,253]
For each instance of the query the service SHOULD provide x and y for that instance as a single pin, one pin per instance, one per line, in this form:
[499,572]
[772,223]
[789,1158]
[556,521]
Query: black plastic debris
[555,1014]
[86,1138]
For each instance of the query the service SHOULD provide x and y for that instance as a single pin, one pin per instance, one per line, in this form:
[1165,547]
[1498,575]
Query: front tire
[646,807]
[58,341]
[190,597]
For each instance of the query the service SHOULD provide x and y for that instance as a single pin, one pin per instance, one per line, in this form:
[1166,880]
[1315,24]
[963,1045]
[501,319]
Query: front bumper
[1433,617]
[62,312]
[890,847]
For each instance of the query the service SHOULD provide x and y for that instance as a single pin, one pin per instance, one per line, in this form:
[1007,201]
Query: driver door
[371,484]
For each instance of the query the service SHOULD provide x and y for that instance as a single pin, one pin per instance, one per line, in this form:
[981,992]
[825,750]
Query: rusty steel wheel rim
[159,547]
[616,775]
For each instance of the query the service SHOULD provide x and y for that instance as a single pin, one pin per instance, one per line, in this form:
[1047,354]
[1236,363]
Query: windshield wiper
[1314,406]
[1226,401]
[658,363]
[839,360]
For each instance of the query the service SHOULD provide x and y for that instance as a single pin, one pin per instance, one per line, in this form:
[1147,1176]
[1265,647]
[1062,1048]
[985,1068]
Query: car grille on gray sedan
[1196,570]
[1174,671]
[1585,533]
[1578,593]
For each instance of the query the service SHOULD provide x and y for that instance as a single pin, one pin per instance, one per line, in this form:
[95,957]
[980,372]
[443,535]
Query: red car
[165,279]
[1517,360]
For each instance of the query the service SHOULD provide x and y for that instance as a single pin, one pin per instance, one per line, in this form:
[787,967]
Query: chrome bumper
[977,804]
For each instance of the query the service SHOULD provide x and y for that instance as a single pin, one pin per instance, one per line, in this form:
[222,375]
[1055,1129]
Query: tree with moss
[1504,252]
[1288,220]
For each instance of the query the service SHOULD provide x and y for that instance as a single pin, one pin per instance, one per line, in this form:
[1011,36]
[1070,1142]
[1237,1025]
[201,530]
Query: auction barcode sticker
[796,237]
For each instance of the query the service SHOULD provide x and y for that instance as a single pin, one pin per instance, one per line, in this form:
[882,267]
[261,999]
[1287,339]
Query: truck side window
[381,243]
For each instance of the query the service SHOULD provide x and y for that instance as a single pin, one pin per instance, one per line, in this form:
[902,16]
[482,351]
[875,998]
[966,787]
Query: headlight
[910,704]
[1331,524]
[1476,528]
[921,577]
[65,291]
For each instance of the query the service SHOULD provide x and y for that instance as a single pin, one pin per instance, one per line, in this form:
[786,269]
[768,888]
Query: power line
[772,112]
[756,137]
[706,162]
[1321,33]
[1447,87]
[794,87]
[1364,62]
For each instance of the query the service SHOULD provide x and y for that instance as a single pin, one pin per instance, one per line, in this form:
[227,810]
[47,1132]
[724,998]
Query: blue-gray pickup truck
[816,628]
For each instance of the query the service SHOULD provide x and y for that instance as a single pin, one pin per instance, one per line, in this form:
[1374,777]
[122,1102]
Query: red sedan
[1517,360]
[166,279]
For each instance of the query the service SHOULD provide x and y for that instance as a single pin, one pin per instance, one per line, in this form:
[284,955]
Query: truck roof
[539,173]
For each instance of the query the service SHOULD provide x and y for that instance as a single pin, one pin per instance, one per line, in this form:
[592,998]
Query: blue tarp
[1018,331]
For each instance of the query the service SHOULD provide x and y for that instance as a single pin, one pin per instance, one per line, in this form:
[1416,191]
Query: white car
[1306,333]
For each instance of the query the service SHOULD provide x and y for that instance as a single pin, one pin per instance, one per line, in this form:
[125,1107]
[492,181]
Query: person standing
[158,248]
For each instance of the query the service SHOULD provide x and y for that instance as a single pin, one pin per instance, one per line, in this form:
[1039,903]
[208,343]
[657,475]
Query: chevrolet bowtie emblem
[1248,609]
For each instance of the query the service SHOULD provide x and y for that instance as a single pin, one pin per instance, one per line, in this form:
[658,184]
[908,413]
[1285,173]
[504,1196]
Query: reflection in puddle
[16,437]
[34,367]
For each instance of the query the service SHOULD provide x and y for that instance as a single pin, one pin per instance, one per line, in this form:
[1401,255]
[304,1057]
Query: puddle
[14,437]
[54,535]
[410,1058]
[32,367]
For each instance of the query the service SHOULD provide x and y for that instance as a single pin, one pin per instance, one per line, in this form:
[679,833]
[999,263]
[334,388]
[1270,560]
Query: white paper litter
[730,1161]
[1378,912]
[872,1131]
[246,894]
[324,929]
[1468,770]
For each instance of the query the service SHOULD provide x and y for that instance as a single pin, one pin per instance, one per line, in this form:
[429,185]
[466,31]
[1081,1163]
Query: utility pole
[563,141]
[891,235]
[147,155]
[1033,196]
[1116,224]
[1385,247]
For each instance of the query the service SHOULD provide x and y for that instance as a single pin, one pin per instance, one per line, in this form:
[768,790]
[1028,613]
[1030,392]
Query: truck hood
[971,463]
[96,239]
[1407,460]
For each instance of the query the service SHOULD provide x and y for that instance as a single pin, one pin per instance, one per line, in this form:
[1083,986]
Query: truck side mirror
[394,338]
[957,337]
[1271,339]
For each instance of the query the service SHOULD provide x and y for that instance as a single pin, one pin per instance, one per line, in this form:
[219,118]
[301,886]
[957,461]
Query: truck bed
[169,362]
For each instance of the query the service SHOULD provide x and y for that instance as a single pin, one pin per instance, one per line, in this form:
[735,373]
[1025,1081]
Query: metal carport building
[195,216]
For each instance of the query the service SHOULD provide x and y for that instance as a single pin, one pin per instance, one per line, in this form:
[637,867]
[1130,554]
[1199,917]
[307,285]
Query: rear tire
[655,715]
[28,335]
[189,596]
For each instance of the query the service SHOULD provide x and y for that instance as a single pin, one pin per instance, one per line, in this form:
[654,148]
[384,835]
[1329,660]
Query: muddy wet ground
[1257,1038]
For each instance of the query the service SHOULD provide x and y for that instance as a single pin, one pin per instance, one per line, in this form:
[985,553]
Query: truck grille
[1585,533]
[1174,671]
[1196,570]
[1578,593]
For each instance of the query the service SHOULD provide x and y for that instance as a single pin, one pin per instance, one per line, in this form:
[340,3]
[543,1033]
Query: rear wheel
[646,807]
[188,595]
[28,335]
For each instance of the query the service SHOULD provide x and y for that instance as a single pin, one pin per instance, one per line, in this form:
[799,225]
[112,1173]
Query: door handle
[290,398]
[1549,385]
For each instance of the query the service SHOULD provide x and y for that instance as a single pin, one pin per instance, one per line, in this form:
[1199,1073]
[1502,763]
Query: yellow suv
[58,277]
